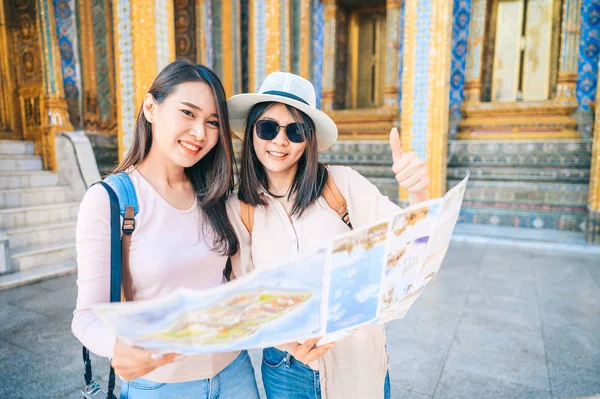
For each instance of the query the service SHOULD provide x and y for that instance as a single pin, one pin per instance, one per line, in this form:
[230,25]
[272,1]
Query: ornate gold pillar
[144,44]
[472,90]
[426,86]
[91,114]
[10,121]
[329,55]
[305,39]
[269,44]
[390,92]
[569,49]
[54,110]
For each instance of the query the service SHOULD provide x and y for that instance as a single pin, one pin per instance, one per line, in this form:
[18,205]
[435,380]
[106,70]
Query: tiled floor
[497,322]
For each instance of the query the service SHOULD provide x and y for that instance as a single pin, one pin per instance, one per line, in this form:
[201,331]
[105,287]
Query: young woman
[181,165]
[282,178]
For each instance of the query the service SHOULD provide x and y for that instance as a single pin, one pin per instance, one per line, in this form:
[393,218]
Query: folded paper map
[369,275]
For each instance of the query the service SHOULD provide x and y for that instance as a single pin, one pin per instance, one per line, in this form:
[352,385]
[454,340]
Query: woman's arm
[93,271]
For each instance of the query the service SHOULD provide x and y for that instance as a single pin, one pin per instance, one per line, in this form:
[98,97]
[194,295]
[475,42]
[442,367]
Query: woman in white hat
[281,185]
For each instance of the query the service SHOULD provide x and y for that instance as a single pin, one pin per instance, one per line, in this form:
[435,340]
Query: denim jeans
[236,381]
[286,378]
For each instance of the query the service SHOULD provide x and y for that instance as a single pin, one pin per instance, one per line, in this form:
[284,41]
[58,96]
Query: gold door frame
[10,116]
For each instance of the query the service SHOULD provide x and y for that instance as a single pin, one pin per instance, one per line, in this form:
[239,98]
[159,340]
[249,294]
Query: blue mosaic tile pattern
[123,32]
[106,103]
[460,34]
[208,35]
[216,36]
[401,54]
[66,33]
[523,219]
[244,44]
[260,26]
[162,31]
[421,78]
[317,45]
[589,51]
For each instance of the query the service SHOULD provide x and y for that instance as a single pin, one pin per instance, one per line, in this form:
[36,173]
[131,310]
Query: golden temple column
[569,49]
[304,55]
[472,90]
[329,55]
[91,114]
[426,86]
[144,44]
[592,232]
[390,92]
[54,110]
[269,42]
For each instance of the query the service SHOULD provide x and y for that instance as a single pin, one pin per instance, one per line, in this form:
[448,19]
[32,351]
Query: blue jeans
[284,377]
[236,381]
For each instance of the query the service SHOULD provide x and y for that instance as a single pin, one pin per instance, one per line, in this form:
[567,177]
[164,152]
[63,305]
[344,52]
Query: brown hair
[212,176]
[310,178]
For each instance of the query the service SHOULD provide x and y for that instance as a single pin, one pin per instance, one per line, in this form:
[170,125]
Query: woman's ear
[149,107]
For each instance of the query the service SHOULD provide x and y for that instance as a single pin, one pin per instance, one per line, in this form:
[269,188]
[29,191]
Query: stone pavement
[497,322]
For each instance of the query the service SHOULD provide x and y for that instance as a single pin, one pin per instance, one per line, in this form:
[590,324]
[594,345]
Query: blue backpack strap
[115,245]
[123,187]
[115,281]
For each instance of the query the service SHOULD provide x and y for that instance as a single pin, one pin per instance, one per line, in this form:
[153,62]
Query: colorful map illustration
[238,317]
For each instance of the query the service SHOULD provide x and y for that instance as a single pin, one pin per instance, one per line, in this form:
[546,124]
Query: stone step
[16,147]
[37,274]
[29,258]
[511,160]
[523,153]
[18,180]
[538,147]
[20,163]
[33,197]
[364,152]
[387,186]
[523,218]
[531,193]
[16,218]
[381,171]
[572,175]
[41,234]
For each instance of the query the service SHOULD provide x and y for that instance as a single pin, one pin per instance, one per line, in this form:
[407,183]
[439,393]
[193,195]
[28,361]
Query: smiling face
[185,126]
[278,156]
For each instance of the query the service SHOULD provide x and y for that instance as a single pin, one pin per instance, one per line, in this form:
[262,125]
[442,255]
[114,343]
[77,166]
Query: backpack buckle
[346,219]
[128,225]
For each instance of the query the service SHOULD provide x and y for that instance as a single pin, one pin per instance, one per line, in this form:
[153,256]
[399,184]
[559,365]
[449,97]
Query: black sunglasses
[268,130]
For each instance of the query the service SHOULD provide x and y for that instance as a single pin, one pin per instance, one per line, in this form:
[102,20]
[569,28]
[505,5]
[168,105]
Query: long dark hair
[212,176]
[310,178]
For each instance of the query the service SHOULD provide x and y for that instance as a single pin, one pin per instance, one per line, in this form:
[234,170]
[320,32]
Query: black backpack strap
[115,280]
[115,265]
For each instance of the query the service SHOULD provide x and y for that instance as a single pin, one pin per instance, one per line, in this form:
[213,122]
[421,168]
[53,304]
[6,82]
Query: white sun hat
[287,88]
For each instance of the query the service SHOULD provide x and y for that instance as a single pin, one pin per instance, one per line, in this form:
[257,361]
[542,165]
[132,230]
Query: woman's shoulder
[233,203]
[95,204]
[97,198]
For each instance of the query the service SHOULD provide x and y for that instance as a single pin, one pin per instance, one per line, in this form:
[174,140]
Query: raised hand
[410,171]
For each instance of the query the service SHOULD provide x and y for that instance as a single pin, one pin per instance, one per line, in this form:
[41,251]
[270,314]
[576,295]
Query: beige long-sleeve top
[168,250]
[356,366]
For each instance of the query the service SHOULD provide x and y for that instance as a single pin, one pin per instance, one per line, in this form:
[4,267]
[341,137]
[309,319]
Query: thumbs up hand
[409,169]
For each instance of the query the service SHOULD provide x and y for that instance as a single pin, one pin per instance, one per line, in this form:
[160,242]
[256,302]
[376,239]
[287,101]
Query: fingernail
[178,358]
[156,356]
